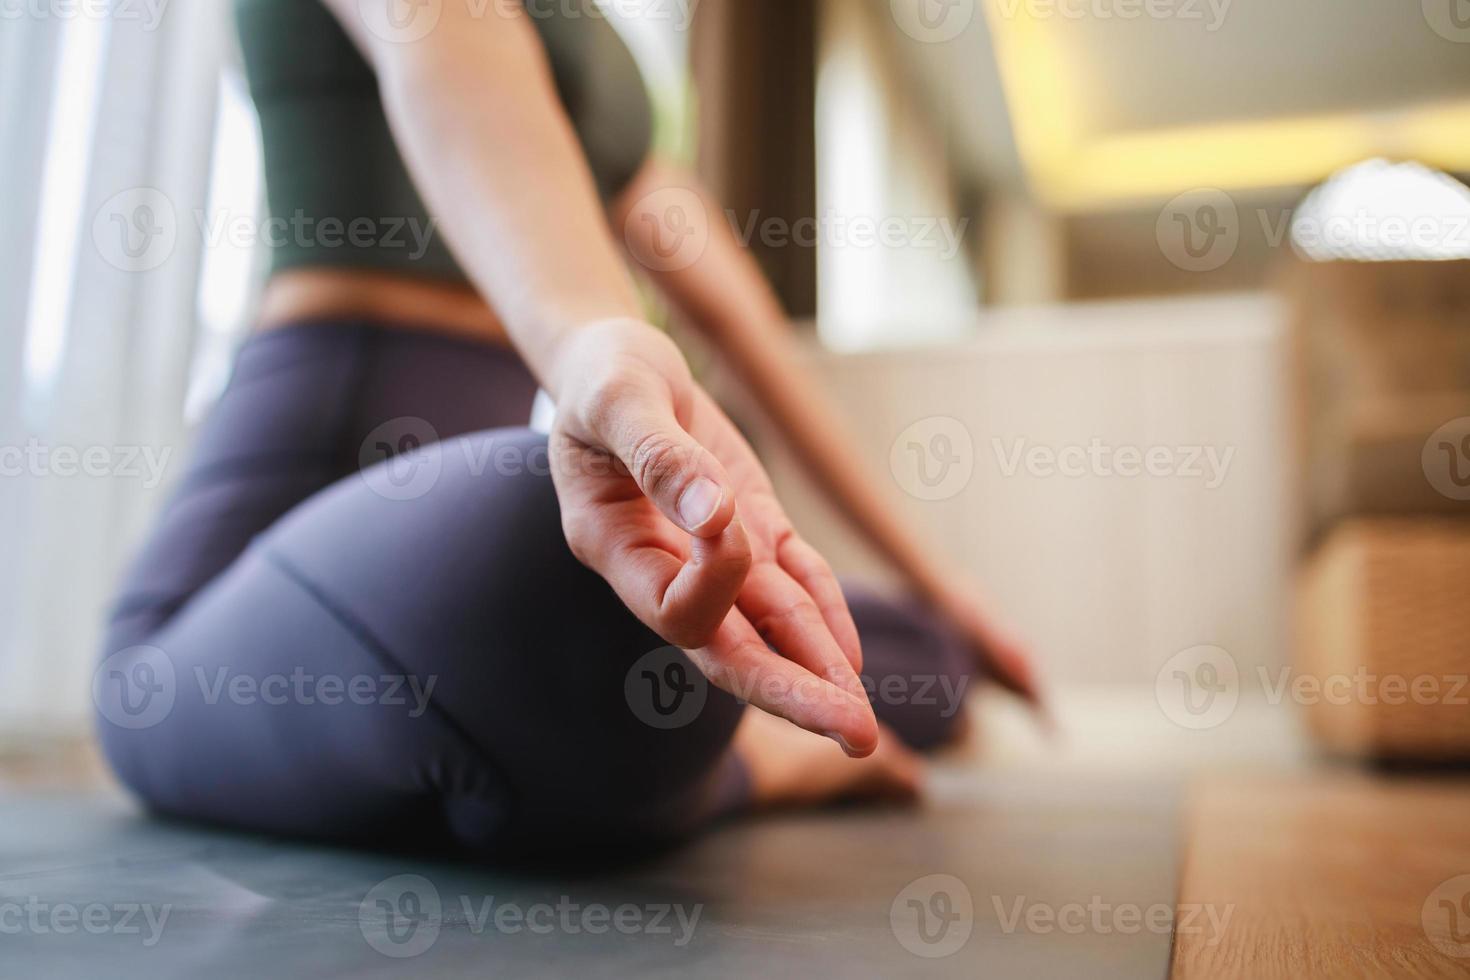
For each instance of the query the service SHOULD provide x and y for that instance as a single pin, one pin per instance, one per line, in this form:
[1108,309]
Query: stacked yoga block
[1381,354]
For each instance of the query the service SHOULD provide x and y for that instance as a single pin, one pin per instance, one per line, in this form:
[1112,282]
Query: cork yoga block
[1380,363]
[1383,640]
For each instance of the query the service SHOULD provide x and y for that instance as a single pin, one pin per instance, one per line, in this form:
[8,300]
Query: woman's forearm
[726,297]
[475,111]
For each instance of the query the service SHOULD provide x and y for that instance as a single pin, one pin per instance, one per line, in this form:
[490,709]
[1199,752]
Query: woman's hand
[663,498]
[1001,651]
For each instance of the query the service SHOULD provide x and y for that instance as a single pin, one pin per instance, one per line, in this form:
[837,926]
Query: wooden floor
[1326,875]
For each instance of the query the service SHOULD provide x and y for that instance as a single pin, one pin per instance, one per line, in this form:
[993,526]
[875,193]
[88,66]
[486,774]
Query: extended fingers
[811,571]
[682,600]
[739,662]
[787,617]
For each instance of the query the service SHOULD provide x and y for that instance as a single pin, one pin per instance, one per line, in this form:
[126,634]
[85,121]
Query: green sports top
[338,191]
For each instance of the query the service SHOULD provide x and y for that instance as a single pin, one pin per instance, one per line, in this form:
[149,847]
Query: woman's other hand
[663,498]
[998,648]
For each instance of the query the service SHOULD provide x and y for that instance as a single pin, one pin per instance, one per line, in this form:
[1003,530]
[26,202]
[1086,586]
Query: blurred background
[1152,313]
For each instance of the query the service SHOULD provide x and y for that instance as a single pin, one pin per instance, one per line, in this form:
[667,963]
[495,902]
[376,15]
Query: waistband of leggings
[336,334]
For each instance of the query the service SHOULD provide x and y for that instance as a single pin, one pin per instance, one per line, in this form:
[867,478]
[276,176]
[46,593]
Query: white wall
[1109,575]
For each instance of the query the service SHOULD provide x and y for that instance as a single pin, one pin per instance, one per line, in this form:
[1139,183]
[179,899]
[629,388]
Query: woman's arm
[717,285]
[649,472]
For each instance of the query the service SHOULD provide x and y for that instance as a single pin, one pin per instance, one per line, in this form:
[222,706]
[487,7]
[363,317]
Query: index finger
[739,662]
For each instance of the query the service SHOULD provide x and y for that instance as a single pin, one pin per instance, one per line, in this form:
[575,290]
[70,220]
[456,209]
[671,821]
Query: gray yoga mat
[998,877]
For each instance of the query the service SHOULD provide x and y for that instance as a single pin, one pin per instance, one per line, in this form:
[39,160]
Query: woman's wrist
[580,354]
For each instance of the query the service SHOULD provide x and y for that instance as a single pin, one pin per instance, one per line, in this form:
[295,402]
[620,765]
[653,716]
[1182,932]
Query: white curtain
[108,125]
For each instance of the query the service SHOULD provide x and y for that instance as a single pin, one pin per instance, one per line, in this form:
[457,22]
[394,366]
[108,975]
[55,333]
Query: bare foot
[791,767]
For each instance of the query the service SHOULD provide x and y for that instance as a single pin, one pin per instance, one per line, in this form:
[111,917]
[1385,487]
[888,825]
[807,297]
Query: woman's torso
[350,236]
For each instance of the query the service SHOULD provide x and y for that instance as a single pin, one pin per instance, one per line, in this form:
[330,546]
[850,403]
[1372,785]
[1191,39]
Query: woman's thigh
[423,663]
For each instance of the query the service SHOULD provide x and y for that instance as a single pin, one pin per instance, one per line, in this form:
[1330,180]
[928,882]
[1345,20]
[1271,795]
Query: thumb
[683,479]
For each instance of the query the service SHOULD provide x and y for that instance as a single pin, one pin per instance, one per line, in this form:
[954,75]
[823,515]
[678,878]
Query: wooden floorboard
[1325,875]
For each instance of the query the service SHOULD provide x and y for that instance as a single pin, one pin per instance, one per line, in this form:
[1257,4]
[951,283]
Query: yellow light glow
[1069,170]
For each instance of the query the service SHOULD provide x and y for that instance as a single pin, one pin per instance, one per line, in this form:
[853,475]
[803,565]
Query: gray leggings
[357,621]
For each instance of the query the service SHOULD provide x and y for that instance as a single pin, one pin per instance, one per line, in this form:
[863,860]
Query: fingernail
[837,737]
[699,502]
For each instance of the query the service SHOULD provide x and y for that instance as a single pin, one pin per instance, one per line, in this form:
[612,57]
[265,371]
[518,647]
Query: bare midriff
[311,295]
